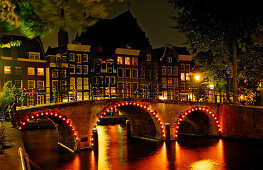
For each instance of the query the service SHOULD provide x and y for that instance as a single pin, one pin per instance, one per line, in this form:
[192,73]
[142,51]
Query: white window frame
[73,66]
[85,66]
[164,67]
[43,71]
[28,71]
[136,74]
[125,73]
[73,55]
[171,71]
[122,72]
[87,58]
[29,83]
[21,84]
[43,85]
[7,67]
[78,58]
[78,66]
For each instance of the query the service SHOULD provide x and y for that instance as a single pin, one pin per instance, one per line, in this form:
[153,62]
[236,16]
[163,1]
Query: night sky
[153,16]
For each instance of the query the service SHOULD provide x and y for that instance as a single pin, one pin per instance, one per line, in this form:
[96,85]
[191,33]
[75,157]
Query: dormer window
[34,55]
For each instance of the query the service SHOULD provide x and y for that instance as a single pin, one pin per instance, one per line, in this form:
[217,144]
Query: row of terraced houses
[112,59]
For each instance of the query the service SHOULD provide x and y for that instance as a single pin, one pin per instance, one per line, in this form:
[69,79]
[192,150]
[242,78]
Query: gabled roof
[27,45]
[56,50]
[116,32]
[160,52]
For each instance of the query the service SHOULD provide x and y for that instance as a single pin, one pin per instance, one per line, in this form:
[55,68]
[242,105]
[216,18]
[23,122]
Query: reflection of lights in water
[104,143]
[204,165]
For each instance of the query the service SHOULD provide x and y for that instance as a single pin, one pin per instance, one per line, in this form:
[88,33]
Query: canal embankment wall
[10,158]
[241,122]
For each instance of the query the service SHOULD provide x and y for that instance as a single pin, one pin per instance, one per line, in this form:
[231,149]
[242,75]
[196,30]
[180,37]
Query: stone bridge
[158,120]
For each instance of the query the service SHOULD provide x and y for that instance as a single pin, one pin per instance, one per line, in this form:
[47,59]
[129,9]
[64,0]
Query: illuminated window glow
[7,69]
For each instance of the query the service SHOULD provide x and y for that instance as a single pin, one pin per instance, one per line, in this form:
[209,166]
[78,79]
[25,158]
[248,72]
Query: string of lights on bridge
[185,113]
[143,106]
[52,114]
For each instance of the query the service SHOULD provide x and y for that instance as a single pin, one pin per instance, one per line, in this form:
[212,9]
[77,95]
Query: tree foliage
[6,98]
[39,17]
[220,32]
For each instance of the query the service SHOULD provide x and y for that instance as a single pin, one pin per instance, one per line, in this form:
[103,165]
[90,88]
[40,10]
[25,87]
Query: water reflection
[116,152]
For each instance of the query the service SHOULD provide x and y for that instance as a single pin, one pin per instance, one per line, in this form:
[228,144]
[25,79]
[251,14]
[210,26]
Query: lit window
[169,70]
[187,77]
[127,61]
[85,57]
[79,83]
[86,83]
[18,84]
[7,69]
[71,57]
[55,73]
[163,70]
[134,61]
[31,84]
[72,82]
[113,90]
[30,71]
[127,72]
[40,71]
[182,76]
[119,60]
[40,85]
[170,82]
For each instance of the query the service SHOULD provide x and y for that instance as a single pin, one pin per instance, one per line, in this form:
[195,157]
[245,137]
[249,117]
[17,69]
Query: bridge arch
[211,115]
[67,135]
[154,114]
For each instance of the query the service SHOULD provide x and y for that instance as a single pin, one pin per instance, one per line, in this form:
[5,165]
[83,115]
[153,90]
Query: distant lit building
[68,71]
[174,72]
[103,75]
[24,65]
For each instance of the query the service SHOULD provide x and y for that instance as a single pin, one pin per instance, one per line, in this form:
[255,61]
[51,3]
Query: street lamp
[197,79]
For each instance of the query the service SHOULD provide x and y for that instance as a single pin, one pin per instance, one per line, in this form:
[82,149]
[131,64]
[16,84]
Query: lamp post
[197,79]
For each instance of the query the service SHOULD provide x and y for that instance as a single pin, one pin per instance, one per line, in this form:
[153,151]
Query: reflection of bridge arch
[159,125]
[211,115]
[68,136]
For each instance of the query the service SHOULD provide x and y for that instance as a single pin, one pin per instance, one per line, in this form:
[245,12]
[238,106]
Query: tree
[221,28]
[6,98]
[40,17]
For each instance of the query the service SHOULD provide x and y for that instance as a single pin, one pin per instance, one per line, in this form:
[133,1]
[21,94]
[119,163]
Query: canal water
[117,153]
